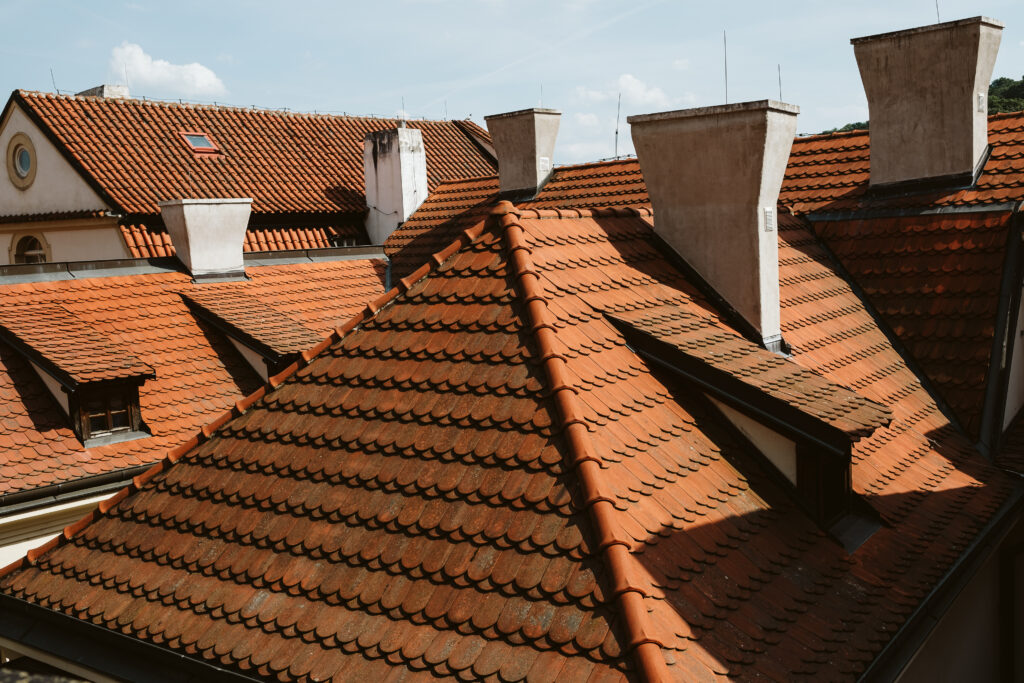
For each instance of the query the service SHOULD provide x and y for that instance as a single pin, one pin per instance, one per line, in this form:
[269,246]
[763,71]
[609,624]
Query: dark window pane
[118,419]
[199,141]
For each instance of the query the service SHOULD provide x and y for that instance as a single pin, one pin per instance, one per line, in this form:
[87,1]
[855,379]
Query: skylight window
[199,142]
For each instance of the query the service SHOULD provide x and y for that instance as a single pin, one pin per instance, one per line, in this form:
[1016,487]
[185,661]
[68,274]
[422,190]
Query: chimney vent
[109,91]
[208,235]
[927,91]
[395,168]
[524,142]
[714,175]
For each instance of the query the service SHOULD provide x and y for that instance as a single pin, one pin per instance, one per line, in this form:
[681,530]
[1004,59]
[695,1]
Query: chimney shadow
[39,404]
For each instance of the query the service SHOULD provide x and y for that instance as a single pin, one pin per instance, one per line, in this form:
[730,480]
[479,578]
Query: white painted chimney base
[395,168]
[208,234]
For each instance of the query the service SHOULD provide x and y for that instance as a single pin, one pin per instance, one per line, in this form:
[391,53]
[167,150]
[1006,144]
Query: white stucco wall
[777,448]
[99,243]
[23,532]
[57,186]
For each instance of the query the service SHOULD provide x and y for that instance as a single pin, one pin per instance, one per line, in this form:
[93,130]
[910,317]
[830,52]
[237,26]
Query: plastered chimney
[524,142]
[208,235]
[927,91]
[714,176]
[395,167]
[106,91]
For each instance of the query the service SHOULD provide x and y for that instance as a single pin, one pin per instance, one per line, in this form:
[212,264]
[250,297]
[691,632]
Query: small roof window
[199,142]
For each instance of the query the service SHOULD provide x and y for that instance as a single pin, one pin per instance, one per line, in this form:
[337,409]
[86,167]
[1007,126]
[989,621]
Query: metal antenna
[54,81]
[725,60]
[618,111]
[403,107]
[541,104]
[938,19]
[124,65]
[780,82]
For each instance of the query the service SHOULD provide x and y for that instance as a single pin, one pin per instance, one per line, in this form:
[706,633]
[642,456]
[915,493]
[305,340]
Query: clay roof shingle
[197,372]
[131,151]
[478,477]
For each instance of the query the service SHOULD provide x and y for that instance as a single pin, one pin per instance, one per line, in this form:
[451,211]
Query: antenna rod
[725,59]
[618,111]
[54,81]
[938,19]
[780,82]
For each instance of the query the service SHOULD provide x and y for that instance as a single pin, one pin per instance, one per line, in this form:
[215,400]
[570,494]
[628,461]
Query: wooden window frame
[104,395]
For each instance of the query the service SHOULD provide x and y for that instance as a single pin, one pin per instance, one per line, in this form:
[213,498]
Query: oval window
[22,161]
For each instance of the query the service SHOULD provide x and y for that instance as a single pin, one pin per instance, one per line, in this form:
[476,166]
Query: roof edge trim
[612,543]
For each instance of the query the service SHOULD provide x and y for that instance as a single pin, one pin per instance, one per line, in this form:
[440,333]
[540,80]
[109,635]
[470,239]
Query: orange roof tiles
[830,173]
[447,209]
[132,153]
[935,279]
[477,477]
[149,239]
[68,346]
[197,372]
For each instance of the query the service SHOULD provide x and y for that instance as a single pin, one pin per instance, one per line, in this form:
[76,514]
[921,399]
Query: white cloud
[588,120]
[681,64]
[635,93]
[160,78]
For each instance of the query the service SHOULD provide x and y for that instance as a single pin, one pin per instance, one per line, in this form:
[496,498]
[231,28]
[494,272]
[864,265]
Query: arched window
[29,250]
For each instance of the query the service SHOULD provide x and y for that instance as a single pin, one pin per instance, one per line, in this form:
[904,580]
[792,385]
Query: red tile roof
[830,173]
[478,477]
[198,373]
[132,153]
[449,208]
[935,279]
[237,309]
[68,345]
[149,239]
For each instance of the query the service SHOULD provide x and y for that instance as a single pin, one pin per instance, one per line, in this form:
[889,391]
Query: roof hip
[612,539]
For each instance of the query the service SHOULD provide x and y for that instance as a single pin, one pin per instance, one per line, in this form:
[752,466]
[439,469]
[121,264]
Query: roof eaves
[19,97]
[612,540]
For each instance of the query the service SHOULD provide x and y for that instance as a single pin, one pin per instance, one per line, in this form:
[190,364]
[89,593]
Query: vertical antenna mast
[780,83]
[618,111]
[938,20]
[725,60]
[54,81]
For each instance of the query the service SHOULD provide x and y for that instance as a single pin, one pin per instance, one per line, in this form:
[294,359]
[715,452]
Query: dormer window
[199,142]
[93,378]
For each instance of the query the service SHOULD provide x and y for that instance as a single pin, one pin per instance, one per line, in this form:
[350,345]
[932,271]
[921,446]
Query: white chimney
[395,167]
[714,176]
[109,91]
[524,142]
[208,235]
[927,91]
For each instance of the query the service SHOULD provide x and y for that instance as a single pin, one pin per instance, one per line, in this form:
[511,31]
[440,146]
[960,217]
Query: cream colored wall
[57,186]
[23,532]
[777,448]
[100,242]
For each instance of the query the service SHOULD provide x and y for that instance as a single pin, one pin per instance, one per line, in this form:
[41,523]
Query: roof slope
[198,374]
[450,207]
[830,173]
[133,153]
[478,477]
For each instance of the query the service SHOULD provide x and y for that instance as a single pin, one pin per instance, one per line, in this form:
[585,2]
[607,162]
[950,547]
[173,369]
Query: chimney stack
[106,91]
[927,91]
[713,175]
[208,235]
[395,168]
[525,144]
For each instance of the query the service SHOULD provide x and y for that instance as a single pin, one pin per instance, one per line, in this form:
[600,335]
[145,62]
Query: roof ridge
[183,104]
[464,238]
[612,541]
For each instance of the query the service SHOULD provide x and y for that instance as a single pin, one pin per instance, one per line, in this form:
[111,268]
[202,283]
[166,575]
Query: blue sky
[469,58]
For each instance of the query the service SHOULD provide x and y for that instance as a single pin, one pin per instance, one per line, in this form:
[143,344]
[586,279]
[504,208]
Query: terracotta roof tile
[131,150]
[198,374]
[830,173]
[68,344]
[477,474]
[935,280]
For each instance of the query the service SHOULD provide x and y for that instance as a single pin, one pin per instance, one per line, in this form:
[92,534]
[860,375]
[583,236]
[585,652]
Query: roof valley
[612,542]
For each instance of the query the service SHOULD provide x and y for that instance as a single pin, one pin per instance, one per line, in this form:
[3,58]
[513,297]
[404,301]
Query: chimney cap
[981,20]
[766,105]
[522,112]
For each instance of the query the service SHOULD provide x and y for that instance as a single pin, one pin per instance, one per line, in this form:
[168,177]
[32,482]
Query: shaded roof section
[478,477]
[198,373]
[830,173]
[935,279]
[248,318]
[455,205]
[69,348]
[1011,450]
[133,153]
